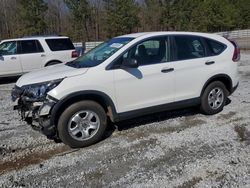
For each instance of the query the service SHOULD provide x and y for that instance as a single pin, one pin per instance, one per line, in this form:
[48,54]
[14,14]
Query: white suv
[126,77]
[18,56]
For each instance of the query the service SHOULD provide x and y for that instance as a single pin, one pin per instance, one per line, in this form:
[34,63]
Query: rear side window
[30,46]
[215,48]
[60,44]
[189,47]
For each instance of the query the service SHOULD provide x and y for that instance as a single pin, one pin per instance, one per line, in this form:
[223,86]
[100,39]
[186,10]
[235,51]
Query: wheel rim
[83,125]
[216,98]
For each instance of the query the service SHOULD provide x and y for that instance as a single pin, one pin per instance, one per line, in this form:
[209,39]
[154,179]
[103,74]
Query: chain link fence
[85,47]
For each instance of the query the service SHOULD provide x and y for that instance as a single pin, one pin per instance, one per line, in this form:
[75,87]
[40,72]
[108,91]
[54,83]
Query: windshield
[99,54]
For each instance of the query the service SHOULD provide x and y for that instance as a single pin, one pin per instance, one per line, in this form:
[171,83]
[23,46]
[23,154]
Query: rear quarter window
[215,47]
[60,44]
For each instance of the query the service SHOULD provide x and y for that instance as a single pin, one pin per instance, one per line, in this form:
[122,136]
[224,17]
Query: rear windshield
[60,44]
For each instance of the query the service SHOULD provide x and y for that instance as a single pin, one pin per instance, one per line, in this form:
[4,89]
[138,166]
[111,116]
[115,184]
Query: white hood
[49,73]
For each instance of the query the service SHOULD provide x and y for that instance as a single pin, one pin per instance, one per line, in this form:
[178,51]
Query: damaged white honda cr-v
[126,77]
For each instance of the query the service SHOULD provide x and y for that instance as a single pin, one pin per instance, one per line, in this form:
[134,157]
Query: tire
[213,98]
[52,63]
[77,129]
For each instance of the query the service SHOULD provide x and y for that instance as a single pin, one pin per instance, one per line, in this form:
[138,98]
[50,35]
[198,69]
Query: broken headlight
[39,90]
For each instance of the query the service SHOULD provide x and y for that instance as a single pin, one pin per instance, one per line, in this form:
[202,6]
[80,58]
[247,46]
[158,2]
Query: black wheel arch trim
[60,103]
[50,61]
[218,77]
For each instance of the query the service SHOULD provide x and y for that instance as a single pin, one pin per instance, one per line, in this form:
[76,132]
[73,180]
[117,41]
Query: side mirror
[130,63]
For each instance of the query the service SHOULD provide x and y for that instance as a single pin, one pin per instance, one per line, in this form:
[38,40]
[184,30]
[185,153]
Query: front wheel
[213,98]
[82,124]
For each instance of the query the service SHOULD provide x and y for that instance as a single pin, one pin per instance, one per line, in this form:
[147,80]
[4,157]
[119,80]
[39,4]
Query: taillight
[236,55]
[74,54]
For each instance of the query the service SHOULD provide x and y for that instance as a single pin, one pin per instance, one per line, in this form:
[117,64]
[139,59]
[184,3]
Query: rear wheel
[82,124]
[213,98]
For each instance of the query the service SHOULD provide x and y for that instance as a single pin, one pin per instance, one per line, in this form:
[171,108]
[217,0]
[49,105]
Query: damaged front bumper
[35,111]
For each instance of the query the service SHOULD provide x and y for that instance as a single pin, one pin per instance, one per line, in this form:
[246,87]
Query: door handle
[43,55]
[13,58]
[209,62]
[167,70]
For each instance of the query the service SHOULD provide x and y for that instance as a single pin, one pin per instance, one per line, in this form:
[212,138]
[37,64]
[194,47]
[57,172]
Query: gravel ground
[172,149]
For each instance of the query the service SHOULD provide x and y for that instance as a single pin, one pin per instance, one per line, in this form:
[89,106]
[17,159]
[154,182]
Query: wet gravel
[171,149]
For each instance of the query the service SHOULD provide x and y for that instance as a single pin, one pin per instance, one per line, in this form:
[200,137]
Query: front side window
[8,48]
[148,52]
[30,46]
[189,47]
[99,54]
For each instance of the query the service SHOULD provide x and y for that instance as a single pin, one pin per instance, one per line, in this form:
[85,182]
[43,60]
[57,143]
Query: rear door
[192,64]
[9,59]
[32,55]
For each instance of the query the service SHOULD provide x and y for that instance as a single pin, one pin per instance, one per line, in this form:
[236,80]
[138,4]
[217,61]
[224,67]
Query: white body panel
[88,80]
[145,86]
[32,61]
[53,72]
[10,65]
[191,75]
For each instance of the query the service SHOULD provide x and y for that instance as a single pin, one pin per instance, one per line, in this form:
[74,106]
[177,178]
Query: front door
[9,60]
[152,83]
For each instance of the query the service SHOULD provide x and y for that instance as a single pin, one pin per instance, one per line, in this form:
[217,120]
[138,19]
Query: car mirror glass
[130,63]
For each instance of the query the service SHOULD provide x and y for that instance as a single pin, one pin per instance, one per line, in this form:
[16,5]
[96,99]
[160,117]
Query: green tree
[121,17]
[153,13]
[199,20]
[199,15]
[31,16]
[180,14]
[220,15]
[243,16]
[81,12]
